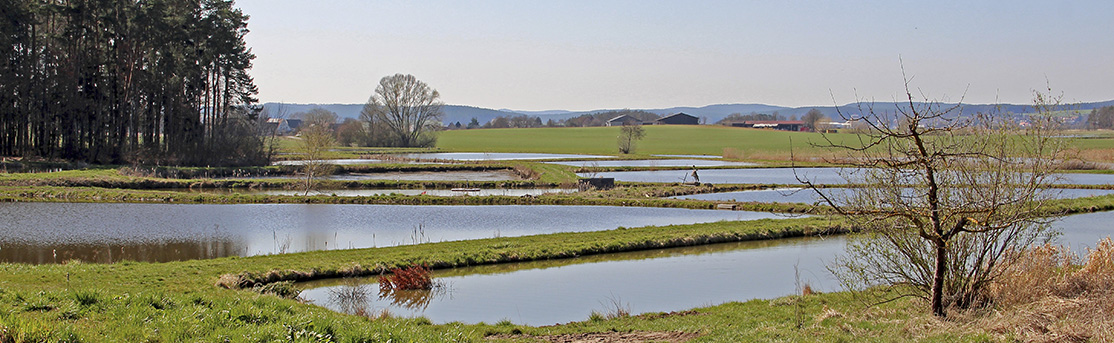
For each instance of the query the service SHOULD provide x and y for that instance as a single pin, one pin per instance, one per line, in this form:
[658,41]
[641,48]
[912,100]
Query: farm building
[283,126]
[787,125]
[622,120]
[678,119]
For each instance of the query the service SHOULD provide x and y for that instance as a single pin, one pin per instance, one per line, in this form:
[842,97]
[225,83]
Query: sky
[598,54]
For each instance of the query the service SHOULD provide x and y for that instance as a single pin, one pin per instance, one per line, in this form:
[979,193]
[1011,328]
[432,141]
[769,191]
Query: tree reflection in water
[415,299]
[352,297]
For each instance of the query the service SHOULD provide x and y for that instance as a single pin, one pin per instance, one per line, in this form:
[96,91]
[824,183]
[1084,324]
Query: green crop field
[673,139]
[729,142]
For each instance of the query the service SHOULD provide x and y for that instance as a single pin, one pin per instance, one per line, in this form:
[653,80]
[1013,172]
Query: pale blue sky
[582,55]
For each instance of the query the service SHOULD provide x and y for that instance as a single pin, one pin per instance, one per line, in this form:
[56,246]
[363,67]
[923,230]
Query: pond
[690,156]
[788,176]
[491,175]
[495,156]
[56,232]
[551,292]
[433,192]
[655,163]
[558,291]
[349,161]
[800,195]
[514,192]
[783,176]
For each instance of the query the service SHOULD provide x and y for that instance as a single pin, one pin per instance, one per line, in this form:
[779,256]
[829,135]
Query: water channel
[655,163]
[800,195]
[495,156]
[100,232]
[788,176]
[457,175]
[348,161]
[549,292]
[345,192]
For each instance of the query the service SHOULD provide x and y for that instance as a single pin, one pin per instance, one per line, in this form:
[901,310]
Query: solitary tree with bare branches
[629,134]
[407,108]
[316,139]
[941,196]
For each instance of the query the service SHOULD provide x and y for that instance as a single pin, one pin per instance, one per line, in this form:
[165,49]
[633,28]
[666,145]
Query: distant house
[283,126]
[293,124]
[678,119]
[622,120]
[786,125]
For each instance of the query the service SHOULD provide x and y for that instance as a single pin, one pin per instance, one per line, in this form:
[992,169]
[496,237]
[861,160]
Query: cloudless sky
[584,55]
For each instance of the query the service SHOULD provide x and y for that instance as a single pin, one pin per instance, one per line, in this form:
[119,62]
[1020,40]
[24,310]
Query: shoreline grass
[134,301]
[181,301]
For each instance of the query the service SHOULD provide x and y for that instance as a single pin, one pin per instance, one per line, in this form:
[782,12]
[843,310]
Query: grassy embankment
[181,300]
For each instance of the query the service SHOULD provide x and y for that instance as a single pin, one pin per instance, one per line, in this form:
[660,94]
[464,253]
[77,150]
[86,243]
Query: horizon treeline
[128,81]
[529,121]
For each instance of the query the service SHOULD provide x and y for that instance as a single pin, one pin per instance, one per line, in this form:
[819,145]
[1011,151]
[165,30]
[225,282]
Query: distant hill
[712,113]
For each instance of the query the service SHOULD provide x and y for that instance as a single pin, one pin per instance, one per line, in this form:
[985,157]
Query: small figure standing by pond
[695,176]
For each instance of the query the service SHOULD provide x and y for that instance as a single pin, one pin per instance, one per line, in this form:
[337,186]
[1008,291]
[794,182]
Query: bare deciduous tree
[407,108]
[319,117]
[812,118]
[942,197]
[317,138]
[629,134]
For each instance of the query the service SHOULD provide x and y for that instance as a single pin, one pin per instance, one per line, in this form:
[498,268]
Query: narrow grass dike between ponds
[263,270]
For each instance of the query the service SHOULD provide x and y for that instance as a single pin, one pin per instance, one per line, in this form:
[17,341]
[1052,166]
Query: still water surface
[347,161]
[490,175]
[516,192]
[788,176]
[549,292]
[513,192]
[493,156]
[56,232]
[654,163]
[800,195]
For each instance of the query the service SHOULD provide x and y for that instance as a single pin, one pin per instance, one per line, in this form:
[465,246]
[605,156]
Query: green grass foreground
[180,301]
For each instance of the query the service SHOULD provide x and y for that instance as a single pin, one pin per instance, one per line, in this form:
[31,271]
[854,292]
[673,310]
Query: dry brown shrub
[1080,165]
[806,290]
[1034,274]
[526,173]
[1047,297]
[1098,271]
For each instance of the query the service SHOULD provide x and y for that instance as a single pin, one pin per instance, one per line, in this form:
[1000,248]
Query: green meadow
[729,142]
[740,143]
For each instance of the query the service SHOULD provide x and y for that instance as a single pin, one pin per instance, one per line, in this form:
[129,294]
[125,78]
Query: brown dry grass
[1097,154]
[1081,165]
[1049,296]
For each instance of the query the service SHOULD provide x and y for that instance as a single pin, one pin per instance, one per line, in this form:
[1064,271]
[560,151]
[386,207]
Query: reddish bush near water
[409,278]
